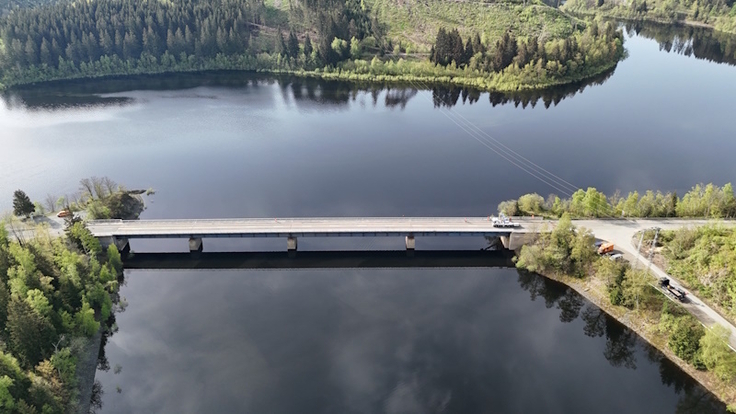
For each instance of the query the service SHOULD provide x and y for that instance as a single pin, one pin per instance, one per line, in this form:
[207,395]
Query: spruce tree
[22,204]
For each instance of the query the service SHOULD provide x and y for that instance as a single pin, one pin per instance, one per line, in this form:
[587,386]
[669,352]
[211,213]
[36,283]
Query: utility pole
[651,250]
[638,250]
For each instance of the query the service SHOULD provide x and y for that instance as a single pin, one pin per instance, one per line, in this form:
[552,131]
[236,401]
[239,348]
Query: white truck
[503,221]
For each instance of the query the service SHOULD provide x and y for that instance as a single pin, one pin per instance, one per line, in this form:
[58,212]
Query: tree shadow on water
[621,343]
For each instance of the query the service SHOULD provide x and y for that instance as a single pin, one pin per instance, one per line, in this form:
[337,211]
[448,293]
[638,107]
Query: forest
[325,38]
[55,293]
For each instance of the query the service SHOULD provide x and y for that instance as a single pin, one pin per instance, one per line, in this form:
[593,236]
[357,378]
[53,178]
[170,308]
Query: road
[301,227]
[621,232]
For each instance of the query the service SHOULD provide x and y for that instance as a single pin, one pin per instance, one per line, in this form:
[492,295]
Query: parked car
[64,213]
[616,257]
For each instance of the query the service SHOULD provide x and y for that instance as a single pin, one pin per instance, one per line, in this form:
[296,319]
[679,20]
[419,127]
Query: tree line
[552,54]
[707,201]
[74,33]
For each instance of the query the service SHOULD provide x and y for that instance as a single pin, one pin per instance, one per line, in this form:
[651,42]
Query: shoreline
[87,371]
[647,331]
[651,20]
[480,83]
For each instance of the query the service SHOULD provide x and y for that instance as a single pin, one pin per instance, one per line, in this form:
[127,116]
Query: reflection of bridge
[120,232]
[322,260]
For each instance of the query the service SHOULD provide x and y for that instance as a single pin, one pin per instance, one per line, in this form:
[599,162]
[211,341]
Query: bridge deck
[304,227]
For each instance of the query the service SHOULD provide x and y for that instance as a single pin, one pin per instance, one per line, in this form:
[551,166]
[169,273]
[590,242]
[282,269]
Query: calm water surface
[370,340]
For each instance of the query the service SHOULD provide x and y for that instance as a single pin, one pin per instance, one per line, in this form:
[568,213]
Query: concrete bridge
[120,232]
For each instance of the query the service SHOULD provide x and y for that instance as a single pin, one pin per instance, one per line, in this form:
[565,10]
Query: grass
[416,22]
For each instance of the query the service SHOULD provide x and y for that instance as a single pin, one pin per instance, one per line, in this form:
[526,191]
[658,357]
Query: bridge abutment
[195,244]
[122,244]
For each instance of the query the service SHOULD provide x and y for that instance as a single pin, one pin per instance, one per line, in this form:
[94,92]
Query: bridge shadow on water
[321,260]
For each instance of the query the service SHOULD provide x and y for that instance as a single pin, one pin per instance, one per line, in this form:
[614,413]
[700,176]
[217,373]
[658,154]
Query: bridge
[120,232]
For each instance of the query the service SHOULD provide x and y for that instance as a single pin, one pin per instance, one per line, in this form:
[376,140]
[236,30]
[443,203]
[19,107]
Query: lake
[377,340]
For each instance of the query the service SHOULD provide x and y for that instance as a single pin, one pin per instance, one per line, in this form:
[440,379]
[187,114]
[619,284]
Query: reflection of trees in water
[699,42]
[621,342]
[87,93]
[95,403]
[448,96]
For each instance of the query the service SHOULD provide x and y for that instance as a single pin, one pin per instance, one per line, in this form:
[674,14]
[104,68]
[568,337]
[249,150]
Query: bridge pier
[195,245]
[291,244]
[410,243]
[506,242]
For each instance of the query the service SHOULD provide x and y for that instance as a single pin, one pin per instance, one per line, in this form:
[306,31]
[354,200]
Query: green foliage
[564,250]
[531,204]
[52,290]
[705,259]
[684,333]
[85,322]
[716,355]
[38,302]
[83,238]
[629,287]
[707,201]
[30,334]
[509,208]
[22,204]
[7,402]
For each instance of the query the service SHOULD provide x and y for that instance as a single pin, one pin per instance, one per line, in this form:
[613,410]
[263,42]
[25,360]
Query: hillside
[416,22]
[501,46]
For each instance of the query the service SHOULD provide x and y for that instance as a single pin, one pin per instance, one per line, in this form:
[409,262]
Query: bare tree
[110,185]
[16,228]
[99,187]
[86,187]
[50,202]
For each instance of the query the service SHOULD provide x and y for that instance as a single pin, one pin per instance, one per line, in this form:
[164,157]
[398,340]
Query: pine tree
[22,204]
[293,45]
[308,47]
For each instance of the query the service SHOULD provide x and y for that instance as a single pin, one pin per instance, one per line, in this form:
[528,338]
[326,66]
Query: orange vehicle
[605,248]
[64,213]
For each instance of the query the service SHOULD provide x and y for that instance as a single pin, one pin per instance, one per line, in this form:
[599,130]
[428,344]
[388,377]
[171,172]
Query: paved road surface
[300,227]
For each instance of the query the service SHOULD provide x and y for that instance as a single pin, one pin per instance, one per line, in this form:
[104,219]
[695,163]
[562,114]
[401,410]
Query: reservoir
[361,340]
